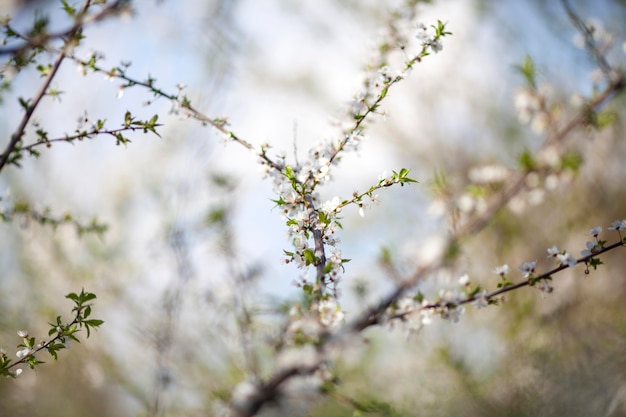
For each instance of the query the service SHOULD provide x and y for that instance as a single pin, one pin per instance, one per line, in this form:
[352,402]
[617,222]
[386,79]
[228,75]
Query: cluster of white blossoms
[531,106]
[416,311]
[428,37]
[562,257]
[26,351]
[312,226]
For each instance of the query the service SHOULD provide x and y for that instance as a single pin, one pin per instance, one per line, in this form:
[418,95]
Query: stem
[19,132]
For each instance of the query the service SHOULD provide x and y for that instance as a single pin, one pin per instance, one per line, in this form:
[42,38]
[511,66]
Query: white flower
[24,352]
[22,333]
[384,73]
[82,69]
[330,313]
[426,316]
[544,287]
[595,231]
[481,300]
[424,34]
[436,46]
[566,259]
[488,174]
[335,258]
[464,279]
[617,225]
[592,247]
[109,75]
[405,305]
[331,206]
[528,268]
[553,251]
[501,270]
[527,103]
[466,203]
[452,313]
[300,243]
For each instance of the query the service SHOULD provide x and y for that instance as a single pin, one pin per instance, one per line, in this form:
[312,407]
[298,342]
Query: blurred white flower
[501,270]
[528,268]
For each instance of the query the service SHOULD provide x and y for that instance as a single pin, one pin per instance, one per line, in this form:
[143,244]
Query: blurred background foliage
[188,275]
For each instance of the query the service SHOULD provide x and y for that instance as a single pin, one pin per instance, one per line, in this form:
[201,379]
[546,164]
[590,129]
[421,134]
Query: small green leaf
[527,161]
[70,10]
[571,161]
[88,296]
[72,296]
[25,103]
[528,71]
[94,322]
[309,257]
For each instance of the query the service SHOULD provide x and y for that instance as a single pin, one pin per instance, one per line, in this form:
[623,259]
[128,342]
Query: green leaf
[528,71]
[288,172]
[440,29]
[606,118]
[87,296]
[278,202]
[504,283]
[128,119]
[309,257]
[527,161]
[70,10]
[595,262]
[25,103]
[385,255]
[94,322]
[121,140]
[571,161]
[72,296]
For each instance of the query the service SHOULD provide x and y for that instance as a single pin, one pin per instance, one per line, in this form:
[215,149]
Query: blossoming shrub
[314,335]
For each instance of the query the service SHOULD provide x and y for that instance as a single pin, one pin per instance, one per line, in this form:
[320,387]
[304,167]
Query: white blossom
[528,268]
[566,259]
[617,225]
[501,270]
[330,313]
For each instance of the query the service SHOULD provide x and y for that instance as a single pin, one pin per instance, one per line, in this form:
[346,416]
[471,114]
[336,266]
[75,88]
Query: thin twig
[40,41]
[19,132]
[590,42]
